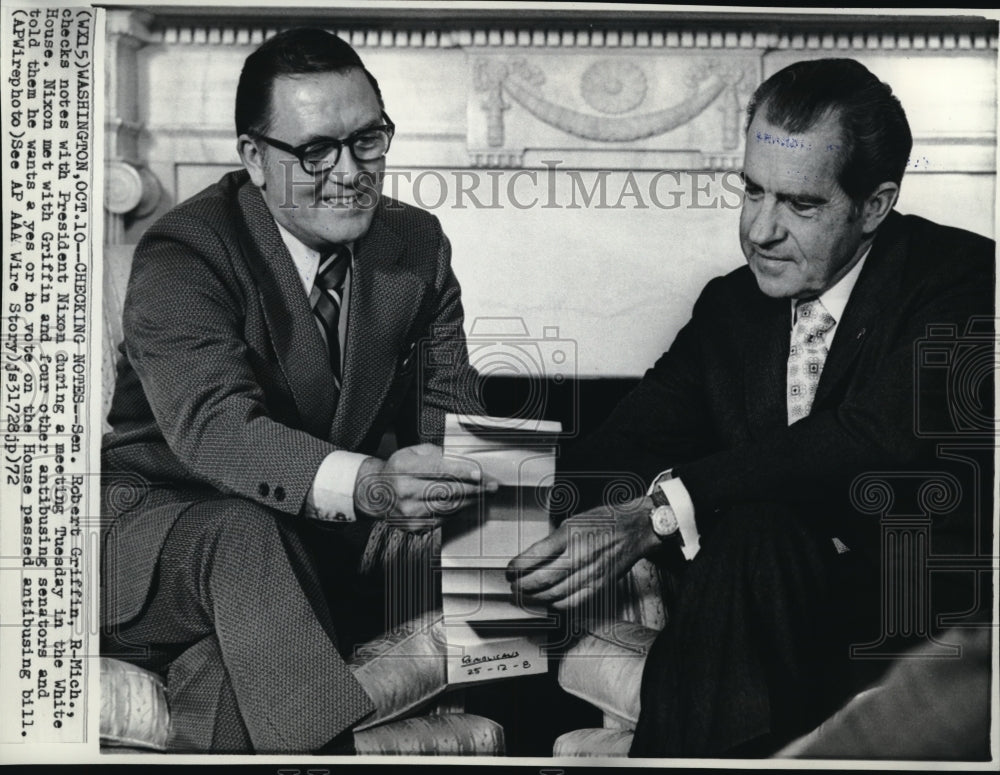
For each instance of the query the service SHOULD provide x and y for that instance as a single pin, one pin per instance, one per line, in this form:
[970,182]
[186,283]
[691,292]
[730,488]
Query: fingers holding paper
[417,485]
[585,554]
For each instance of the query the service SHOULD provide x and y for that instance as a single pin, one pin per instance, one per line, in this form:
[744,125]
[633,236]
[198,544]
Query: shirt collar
[305,258]
[834,300]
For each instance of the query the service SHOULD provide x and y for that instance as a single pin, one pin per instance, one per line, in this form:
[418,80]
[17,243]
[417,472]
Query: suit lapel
[294,334]
[871,295]
[385,297]
[766,363]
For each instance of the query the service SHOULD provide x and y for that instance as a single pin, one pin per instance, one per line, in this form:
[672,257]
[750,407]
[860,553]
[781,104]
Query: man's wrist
[370,494]
[664,522]
[650,542]
[331,497]
[662,517]
[673,490]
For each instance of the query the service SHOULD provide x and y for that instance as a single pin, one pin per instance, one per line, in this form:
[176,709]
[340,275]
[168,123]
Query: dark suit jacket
[713,406]
[223,383]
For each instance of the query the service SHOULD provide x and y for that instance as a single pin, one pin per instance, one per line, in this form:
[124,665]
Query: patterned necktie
[806,356]
[326,299]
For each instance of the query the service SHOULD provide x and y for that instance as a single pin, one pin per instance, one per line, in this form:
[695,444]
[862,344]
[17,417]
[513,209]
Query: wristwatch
[662,517]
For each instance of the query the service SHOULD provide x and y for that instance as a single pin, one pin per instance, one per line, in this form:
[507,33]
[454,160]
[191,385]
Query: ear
[878,205]
[252,157]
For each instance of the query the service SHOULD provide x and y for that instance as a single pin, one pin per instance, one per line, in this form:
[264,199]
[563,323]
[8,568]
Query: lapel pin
[861,333]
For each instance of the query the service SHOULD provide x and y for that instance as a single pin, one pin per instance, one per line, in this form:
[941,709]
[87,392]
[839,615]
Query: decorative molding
[133,24]
[721,162]
[617,101]
[129,190]
[635,38]
[611,86]
[122,187]
[496,159]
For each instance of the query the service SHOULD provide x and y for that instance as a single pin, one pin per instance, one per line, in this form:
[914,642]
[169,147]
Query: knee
[230,523]
[227,515]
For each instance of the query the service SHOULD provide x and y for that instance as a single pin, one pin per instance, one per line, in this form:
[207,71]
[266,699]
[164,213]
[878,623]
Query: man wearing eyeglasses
[277,325]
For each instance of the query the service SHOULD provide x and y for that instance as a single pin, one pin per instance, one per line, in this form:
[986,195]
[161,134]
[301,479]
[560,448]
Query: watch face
[664,521]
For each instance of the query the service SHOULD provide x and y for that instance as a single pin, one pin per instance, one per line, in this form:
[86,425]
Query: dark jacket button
[279,493]
[263,489]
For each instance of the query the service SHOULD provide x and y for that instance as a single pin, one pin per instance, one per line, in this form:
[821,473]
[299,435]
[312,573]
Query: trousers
[250,619]
[755,651]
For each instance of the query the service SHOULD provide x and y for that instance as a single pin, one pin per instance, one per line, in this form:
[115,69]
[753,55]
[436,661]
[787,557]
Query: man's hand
[586,553]
[417,484]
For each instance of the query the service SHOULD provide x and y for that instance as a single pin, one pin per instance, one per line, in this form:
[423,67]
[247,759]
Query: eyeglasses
[318,157]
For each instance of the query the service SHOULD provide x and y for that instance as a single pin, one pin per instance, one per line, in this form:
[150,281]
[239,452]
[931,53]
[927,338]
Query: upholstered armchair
[604,666]
[424,718]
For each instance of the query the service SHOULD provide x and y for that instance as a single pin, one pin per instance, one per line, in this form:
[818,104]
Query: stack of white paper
[489,634]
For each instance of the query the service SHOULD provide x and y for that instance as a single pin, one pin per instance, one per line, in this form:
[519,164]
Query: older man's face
[337,207]
[797,228]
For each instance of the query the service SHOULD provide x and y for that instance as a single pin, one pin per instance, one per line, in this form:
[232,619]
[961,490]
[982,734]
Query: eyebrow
[785,197]
[380,121]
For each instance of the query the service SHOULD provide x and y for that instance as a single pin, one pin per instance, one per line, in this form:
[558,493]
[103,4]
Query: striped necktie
[806,356]
[327,297]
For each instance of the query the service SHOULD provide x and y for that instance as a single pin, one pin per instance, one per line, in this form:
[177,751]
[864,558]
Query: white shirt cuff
[680,502]
[331,498]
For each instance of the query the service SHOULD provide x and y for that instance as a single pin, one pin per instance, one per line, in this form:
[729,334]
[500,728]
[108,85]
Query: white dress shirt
[331,497]
[834,300]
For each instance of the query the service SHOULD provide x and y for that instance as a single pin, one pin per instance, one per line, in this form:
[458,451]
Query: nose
[345,171]
[763,221]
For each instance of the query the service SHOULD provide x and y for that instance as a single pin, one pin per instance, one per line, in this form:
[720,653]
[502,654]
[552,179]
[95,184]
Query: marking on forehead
[787,141]
[784,141]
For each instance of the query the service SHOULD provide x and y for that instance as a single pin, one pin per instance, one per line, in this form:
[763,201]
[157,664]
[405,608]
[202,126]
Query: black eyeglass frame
[299,151]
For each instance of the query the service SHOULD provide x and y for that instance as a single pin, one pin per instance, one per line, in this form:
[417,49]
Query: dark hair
[293,52]
[874,132]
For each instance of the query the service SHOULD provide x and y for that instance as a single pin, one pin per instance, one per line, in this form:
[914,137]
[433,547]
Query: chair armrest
[605,668]
[602,743]
[134,712]
[452,734]
[640,596]
[403,670]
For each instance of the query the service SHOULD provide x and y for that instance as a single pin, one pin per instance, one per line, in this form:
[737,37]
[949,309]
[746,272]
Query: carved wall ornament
[615,87]
[489,76]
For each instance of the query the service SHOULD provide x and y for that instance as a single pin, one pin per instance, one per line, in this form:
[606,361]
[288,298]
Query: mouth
[769,264]
[771,258]
[341,200]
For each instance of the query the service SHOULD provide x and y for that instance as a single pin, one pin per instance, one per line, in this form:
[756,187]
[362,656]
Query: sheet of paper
[491,532]
[514,452]
[477,607]
[490,635]
[488,581]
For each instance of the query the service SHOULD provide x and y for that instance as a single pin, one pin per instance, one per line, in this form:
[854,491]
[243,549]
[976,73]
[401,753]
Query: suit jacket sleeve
[183,326]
